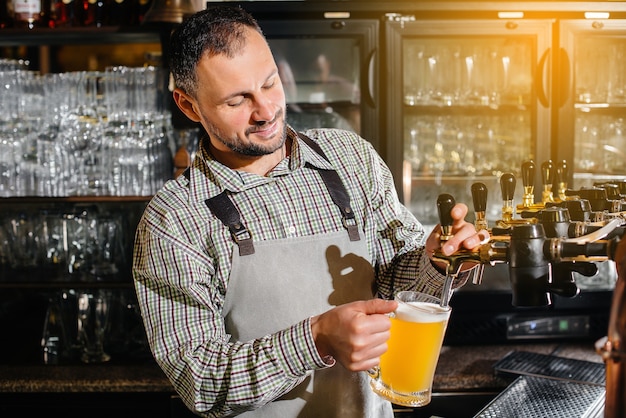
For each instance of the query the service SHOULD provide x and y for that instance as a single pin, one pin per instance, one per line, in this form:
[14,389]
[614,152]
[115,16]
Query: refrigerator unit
[468,101]
[591,100]
[473,91]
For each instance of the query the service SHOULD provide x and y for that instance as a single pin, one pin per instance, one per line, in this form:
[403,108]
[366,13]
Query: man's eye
[235,103]
[269,85]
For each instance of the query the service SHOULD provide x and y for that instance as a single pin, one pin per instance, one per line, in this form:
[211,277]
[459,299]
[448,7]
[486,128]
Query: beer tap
[561,176]
[507,187]
[578,209]
[528,181]
[491,252]
[618,202]
[558,222]
[602,207]
[445,203]
[479,198]
[621,186]
[547,176]
[486,253]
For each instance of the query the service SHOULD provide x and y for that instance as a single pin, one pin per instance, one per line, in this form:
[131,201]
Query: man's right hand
[355,334]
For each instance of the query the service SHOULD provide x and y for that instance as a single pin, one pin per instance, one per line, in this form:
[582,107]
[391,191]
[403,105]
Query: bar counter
[461,369]
[470,368]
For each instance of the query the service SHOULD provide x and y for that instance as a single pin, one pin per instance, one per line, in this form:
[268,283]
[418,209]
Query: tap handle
[547,173]
[445,203]
[507,186]
[563,169]
[561,173]
[479,197]
[558,176]
[528,173]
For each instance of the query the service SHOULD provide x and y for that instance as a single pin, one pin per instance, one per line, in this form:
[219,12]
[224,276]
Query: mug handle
[374,372]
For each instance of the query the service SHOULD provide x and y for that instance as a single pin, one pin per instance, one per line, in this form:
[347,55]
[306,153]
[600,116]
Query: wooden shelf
[73,199]
[79,36]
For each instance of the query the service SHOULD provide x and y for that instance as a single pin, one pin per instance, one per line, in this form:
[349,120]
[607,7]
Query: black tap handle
[563,169]
[558,177]
[528,173]
[445,203]
[507,186]
[547,172]
[479,197]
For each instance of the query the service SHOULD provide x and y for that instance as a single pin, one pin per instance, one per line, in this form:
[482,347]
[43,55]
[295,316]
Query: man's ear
[186,104]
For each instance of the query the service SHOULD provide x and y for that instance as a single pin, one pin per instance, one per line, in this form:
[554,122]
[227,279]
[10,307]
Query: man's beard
[251,149]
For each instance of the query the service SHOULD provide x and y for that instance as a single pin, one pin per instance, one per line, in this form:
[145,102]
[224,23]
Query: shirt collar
[208,177]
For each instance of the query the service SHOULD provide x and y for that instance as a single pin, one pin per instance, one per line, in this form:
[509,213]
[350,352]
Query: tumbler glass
[93,315]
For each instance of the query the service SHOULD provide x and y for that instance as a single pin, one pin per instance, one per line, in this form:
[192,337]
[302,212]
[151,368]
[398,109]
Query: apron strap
[337,191]
[224,209]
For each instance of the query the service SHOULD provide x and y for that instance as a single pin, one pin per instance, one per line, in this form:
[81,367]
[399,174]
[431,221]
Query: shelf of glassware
[452,147]
[68,242]
[599,143]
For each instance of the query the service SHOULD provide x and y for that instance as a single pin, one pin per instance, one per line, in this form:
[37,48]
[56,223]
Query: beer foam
[421,312]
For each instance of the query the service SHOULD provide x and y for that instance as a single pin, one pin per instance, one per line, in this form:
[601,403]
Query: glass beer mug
[407,368]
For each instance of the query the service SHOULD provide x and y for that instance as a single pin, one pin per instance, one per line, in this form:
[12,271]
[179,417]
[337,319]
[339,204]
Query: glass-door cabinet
[592,99]
[468,101]
[328,63]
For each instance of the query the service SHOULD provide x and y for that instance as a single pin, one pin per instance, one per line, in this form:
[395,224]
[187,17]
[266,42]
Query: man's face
[240,100]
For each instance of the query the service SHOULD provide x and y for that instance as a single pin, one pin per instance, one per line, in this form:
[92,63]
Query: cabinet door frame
[566,107]
[541,30]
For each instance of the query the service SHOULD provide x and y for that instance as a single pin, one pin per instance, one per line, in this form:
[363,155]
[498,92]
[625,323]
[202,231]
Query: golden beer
[407,368]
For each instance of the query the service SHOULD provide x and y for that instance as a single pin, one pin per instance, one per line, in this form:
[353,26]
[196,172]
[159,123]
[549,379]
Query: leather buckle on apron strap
[350,223]
[223,208]
[243,238]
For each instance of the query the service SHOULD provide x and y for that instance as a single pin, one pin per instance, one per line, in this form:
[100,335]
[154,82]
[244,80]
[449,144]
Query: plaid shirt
[182,263]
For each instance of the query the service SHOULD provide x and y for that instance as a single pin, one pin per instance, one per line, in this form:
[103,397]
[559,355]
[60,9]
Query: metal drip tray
[540,397]
[548,386]
[542,365]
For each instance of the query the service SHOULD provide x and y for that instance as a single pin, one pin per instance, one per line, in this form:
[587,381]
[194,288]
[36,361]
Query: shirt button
[291,230]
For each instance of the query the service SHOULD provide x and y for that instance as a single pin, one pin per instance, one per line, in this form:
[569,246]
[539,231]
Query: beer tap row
[549,242]
[545,242]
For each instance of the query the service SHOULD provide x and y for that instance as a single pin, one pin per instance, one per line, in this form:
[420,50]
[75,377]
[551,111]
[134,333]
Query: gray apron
[275,284]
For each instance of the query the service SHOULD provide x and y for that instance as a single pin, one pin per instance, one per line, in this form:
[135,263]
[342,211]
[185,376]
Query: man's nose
[264,109]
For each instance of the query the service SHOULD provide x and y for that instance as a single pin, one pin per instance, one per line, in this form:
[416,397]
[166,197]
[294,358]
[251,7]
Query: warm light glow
[336,15]
[511,15]
[597,15]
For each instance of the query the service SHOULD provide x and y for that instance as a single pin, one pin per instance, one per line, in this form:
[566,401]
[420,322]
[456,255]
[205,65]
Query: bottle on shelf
[120,12]
[63,13]
[84,12]
[29,13]
[101,10]
[141,8]
[6,15]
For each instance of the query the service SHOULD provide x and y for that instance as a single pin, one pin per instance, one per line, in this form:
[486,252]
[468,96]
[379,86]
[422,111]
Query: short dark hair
[215,30]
